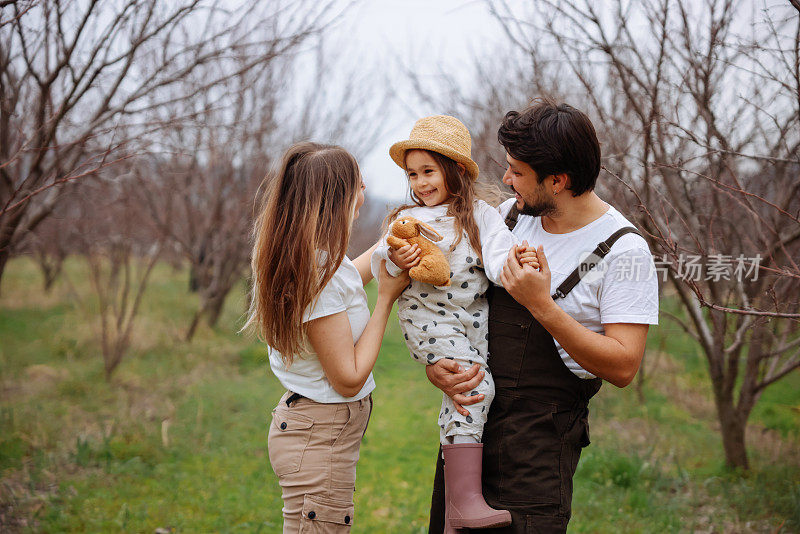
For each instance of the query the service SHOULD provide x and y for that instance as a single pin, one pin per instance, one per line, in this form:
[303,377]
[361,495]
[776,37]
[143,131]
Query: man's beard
[541,208]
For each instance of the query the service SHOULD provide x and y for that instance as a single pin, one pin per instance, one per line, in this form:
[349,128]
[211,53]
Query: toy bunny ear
[428,231]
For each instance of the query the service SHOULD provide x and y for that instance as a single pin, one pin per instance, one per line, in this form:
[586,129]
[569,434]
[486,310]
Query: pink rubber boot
[464,504]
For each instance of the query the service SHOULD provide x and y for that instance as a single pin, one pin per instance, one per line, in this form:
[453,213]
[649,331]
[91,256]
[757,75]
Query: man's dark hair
[554,139]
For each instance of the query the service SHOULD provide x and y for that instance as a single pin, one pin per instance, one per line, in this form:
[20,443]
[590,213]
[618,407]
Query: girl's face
[359,199]
[426,178]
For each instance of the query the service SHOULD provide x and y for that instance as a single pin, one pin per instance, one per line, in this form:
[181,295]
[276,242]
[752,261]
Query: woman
[309,305]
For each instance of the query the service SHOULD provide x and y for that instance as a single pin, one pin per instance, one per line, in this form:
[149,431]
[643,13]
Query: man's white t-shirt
[622,288]
[344,292]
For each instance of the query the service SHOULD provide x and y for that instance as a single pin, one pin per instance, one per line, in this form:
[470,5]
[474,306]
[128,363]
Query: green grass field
[178,439]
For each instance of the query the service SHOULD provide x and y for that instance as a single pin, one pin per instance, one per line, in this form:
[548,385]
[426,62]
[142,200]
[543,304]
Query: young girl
[451,322]
[309,304]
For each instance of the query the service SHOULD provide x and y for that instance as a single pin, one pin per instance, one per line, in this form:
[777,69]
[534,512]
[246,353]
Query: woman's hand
[390,286]
[405,257]
[448,376]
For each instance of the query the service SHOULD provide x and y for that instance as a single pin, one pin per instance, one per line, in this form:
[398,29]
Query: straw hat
[443,134]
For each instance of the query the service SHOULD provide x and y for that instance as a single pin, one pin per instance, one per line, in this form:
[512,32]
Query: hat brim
[399,149]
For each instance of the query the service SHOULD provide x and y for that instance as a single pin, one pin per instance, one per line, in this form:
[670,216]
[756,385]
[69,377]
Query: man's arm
[614,356]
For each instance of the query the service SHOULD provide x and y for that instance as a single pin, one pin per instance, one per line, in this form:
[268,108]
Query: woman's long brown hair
[308,209]
[461,188]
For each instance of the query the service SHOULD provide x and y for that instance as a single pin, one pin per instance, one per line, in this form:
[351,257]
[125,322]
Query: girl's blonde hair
[461,188]
[301,236]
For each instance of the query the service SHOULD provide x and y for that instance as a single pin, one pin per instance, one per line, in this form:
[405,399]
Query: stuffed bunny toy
[433,267]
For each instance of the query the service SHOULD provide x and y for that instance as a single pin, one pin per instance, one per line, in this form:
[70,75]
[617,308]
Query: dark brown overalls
[538,421]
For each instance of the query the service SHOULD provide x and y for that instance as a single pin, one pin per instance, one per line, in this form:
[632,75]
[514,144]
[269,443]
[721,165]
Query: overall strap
[511,218]
[597,254]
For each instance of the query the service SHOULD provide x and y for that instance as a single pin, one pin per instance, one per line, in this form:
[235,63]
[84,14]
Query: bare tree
[119,277]
[121,247]
[345,102]
[509,80]
[210,167]
[699,114]
[80,81]
[202,204]
[50,247]
[340,97]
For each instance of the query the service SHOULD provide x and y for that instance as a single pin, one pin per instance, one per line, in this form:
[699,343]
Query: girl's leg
[463,459]
[457,428]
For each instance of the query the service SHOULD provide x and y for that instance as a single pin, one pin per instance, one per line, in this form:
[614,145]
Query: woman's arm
[348,366]
[362,263]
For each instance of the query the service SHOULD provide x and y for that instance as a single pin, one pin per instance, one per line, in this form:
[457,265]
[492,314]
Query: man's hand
[529,286]
[405,257]
[448,376]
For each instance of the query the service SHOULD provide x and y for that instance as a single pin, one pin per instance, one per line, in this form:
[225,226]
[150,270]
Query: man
[554,333]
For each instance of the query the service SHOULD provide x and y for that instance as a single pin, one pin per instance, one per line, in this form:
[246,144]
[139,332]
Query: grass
[178,438]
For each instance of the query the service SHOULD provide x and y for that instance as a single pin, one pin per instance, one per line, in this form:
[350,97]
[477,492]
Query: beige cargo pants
[313,449]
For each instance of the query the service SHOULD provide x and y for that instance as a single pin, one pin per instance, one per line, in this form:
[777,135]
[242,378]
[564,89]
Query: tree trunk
[732,418]
[211,309]
[733,427]
[4,256]
[193,326]
[50,271]
[214,309]
[49,280]
[640,380]
[111,361]
[194,283]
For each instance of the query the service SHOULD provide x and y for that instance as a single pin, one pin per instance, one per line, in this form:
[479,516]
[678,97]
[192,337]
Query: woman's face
[426,178]
[359,199]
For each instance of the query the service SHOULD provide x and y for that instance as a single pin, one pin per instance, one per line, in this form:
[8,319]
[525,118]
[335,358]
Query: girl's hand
[390,286]
[405,257]
[530,287]
[526,254]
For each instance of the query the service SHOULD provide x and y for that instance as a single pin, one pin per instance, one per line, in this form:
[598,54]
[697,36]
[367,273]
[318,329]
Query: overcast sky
[427,34]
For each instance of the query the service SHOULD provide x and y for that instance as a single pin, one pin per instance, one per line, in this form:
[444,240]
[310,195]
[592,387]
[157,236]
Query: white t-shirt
[495,238]
[344,292]
[622,288]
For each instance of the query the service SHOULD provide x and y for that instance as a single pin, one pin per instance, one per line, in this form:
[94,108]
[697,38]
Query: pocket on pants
[530,456]
[510,340]
[346,448]
[322,515]
[288,438]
